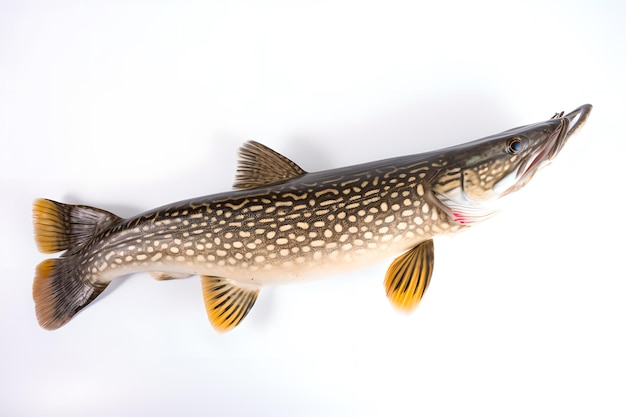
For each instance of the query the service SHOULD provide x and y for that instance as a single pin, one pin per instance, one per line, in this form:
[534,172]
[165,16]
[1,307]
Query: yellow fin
[408,276]
[226,302]
[259,166]
[60,226]
[164,276]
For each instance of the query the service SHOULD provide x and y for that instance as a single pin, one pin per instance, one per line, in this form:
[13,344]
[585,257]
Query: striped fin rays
[227,302]
[408,276]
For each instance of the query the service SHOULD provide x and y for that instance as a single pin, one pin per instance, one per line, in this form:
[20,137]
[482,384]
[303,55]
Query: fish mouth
[577,118]
[569,124]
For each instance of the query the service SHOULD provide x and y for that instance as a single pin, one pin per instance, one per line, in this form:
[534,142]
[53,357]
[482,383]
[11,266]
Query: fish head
[475,175]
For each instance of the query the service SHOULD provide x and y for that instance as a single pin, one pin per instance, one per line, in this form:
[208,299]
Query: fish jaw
[577,119]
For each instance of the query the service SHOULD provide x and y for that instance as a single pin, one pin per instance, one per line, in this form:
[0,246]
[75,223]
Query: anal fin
[408,276]
[227,302]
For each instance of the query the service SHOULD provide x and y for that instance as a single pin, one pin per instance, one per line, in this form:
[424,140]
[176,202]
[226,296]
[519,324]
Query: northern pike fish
[282,224]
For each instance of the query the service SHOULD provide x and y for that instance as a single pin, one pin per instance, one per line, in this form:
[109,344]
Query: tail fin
[60,292]
[63,286]
[61,226]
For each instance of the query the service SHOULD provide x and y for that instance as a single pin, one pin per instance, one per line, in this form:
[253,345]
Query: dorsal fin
[408,276]
[259,166]
[227,302]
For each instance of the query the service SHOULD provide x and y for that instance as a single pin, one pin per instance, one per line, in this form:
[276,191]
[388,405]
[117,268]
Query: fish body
[283,224]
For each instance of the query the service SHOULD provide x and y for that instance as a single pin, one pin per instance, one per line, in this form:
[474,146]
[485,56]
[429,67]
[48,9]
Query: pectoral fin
[165,276]
[408,276]
[226,302]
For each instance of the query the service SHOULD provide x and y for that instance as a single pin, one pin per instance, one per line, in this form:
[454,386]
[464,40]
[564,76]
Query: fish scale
[280,233]
[283,224]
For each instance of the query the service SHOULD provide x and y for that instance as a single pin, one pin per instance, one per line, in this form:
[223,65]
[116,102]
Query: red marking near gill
[461,218]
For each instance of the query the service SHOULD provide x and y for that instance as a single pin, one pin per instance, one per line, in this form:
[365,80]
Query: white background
[128,105]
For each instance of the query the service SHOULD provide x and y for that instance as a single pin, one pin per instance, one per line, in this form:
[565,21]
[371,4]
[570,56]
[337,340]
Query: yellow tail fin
[63,286]
[60,226]
[60,291]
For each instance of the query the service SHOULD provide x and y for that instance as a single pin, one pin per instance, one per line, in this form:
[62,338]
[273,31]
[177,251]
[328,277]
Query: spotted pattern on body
[290,231]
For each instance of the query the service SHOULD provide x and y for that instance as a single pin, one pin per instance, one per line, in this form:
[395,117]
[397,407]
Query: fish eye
[514,146]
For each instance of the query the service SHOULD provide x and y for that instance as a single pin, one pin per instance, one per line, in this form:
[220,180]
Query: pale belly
[265,267]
